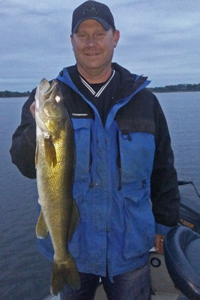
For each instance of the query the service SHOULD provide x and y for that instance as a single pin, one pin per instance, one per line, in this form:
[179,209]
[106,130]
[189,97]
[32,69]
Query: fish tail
[65,273]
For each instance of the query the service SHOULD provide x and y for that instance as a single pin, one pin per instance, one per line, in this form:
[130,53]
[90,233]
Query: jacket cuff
[161,229]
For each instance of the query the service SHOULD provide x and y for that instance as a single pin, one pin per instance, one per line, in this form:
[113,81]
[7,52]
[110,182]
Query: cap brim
[102,22]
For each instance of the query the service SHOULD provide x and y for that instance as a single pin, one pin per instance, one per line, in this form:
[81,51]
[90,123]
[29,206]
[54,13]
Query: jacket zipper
[119,163]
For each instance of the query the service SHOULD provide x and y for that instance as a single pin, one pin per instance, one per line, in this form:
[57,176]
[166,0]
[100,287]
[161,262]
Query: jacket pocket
[136,154]
[77,245]
[139,235]
[82,133]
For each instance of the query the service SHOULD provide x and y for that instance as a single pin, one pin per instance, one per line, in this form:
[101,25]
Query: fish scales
[55,167]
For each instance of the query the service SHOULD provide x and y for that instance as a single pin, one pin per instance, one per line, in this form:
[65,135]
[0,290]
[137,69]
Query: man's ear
[116,37]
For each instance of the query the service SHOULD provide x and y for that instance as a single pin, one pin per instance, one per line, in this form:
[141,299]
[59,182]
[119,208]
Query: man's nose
[91,41]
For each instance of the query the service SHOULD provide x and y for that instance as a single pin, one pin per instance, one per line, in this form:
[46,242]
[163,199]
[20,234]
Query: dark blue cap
[93,10]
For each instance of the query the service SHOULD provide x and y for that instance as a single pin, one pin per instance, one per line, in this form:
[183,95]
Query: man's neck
[95,76]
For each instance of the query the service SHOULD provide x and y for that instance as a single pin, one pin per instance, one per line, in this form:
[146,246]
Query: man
[125,184]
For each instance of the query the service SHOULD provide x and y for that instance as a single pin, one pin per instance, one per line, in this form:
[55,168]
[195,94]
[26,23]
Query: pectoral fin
[50,152]
[36,153]
[41,227]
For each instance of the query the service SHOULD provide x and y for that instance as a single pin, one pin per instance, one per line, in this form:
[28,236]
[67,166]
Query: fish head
[50,110]
[49,99]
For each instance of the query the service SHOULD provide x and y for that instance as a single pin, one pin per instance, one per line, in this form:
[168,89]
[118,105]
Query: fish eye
[57,98]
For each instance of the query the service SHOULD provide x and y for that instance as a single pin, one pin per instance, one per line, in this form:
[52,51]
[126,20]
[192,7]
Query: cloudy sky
[159,38]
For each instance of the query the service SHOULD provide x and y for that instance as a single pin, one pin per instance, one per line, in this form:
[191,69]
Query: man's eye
[81,35]
[100,34]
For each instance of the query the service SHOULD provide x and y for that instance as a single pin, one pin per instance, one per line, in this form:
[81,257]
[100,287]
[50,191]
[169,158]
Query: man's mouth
[92,54]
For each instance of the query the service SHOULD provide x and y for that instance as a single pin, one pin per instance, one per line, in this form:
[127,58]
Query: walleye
[55,166]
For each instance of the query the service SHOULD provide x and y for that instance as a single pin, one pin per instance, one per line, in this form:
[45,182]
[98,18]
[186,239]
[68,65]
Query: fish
[54,161]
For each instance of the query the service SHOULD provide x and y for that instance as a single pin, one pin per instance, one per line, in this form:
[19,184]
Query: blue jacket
[119,167]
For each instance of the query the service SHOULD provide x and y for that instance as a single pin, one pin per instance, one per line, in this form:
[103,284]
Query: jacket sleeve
[24,141]
[165,195]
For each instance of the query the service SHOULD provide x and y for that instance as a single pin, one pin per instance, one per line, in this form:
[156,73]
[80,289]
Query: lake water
[24,273]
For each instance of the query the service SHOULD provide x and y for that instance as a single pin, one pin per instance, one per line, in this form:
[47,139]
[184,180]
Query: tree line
[9,94]
[177,88]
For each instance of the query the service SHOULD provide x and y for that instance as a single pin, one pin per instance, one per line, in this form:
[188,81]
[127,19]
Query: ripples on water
[182,111]
[24,273]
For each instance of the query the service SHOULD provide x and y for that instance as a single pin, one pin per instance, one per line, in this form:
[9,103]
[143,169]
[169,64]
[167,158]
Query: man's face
[94,46]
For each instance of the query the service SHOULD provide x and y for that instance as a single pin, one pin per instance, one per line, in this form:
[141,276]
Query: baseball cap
[92,10]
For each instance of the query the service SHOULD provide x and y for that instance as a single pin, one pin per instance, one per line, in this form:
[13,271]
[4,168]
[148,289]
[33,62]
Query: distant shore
[9,94]
[177,88]
[165,89]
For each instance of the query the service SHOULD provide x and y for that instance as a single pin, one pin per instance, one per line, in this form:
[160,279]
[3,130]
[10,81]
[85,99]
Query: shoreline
[153,90]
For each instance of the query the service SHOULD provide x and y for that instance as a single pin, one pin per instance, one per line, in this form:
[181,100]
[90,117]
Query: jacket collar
[129,83]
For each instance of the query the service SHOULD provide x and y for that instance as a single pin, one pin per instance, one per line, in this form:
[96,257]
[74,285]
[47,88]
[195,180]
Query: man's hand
[32,109]
[159,243]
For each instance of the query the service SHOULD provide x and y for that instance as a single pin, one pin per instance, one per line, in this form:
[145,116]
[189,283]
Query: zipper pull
[126,135]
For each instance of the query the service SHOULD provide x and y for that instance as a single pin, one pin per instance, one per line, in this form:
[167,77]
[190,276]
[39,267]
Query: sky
[158,38]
